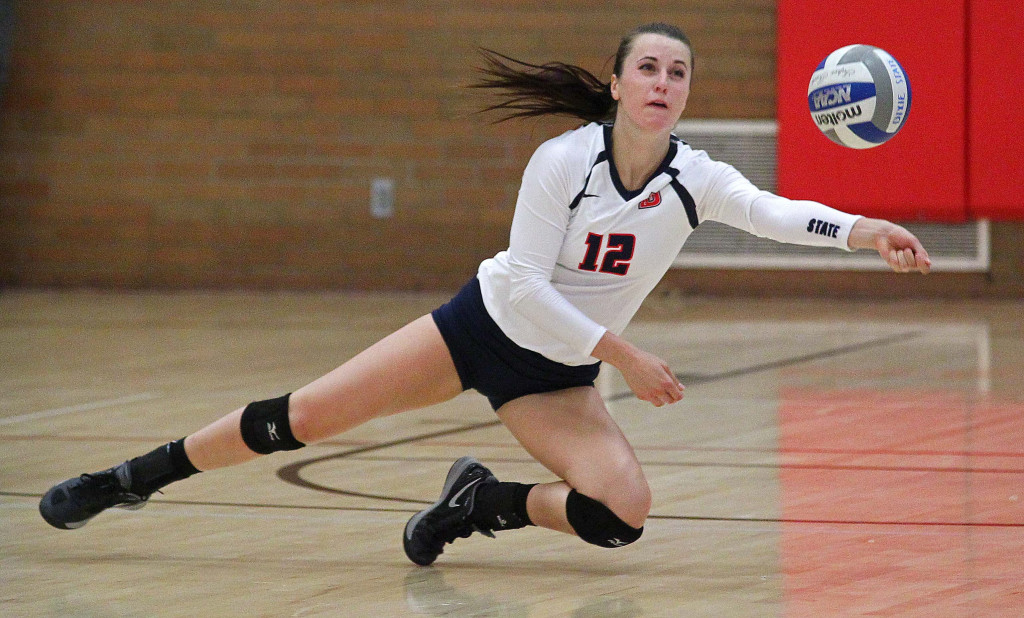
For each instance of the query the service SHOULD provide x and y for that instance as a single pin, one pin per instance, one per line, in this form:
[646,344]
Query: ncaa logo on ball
[859,96]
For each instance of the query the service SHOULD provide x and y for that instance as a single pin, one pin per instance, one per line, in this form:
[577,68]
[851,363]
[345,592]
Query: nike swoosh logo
[589,195]
[452,503]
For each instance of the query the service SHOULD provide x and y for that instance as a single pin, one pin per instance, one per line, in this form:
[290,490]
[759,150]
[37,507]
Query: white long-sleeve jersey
[584,252]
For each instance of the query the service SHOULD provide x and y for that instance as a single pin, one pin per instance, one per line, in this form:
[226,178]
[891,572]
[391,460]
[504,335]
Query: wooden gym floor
[829,459]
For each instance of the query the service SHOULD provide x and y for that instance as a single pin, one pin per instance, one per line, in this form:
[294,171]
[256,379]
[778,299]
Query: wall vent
[749,145]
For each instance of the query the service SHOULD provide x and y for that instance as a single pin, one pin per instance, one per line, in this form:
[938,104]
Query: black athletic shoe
[74,502]
[448,519]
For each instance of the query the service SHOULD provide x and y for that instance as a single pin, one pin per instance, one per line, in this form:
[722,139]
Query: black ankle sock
[501,506]
[161,467]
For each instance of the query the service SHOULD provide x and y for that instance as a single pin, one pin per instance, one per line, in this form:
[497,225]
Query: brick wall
[225,144]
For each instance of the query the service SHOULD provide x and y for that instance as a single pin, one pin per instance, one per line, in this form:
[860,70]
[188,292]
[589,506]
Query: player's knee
[597,524]
[625,491]
[265,427]
[640,506]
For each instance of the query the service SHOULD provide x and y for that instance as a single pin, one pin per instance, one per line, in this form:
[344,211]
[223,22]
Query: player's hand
[900,249]
[651,380]
[648,376]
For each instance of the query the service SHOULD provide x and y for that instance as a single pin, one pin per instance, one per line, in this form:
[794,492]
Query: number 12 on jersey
[616,257]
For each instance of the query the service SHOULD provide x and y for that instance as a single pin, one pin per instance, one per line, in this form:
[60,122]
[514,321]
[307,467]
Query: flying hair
[554,88]
[557,88]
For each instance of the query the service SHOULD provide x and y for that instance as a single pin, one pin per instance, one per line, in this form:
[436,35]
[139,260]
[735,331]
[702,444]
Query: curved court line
[292,473]
[695,379]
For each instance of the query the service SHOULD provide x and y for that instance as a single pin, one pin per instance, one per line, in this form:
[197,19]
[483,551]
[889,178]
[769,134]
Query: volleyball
[859,96]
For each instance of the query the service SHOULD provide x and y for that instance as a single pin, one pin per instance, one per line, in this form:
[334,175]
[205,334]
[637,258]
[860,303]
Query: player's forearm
[614,350]
[537,300]
[865,232]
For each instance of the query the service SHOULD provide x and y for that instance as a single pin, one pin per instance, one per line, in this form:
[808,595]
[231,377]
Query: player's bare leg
[604,498]
[410,368]
[574,436]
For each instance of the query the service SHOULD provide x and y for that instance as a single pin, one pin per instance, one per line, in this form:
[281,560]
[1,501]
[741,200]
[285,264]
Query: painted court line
[83,407]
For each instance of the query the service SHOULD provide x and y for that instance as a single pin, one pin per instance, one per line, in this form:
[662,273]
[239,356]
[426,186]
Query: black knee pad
[597,524]
[265,427]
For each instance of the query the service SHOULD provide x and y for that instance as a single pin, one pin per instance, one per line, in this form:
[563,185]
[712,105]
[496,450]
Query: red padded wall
[920,174]
[995,169]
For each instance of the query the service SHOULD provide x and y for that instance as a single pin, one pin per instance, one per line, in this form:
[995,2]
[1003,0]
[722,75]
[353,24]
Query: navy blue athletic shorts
[488,361]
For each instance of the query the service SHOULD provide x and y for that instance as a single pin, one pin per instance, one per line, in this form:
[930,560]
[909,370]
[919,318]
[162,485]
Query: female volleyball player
[601,214]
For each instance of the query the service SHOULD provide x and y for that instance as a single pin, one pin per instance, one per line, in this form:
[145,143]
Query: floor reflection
[428,593]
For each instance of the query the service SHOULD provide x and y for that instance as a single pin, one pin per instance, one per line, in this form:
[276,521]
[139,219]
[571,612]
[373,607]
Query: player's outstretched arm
[897,246]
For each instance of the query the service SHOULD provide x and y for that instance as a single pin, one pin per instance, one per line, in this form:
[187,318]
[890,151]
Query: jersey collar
[627,195]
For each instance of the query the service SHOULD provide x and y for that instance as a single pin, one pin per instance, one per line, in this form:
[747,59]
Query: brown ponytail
[554,88]
[557,88]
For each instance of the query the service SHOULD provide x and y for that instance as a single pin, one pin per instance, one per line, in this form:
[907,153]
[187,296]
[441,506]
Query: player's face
[655,82]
